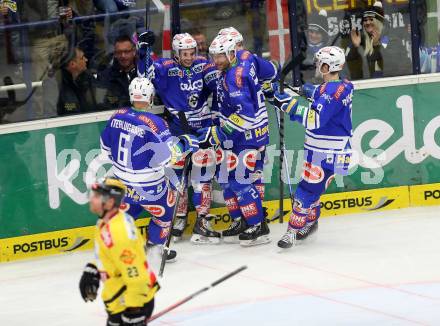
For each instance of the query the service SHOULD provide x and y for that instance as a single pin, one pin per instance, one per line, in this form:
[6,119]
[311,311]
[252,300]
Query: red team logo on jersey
[106,236]
[249,210]
[312,173]
[204,157]
[155,210]
[297,221]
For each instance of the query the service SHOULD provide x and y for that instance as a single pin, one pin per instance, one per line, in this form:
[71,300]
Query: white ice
[380,268]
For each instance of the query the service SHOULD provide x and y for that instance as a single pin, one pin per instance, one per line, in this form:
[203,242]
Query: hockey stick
[180,190]
[197,293]
[287,68]
[145,41]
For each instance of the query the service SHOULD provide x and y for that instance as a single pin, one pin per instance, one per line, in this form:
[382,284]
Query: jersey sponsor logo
[249,210]
[127,257]
[260,132]
[106,236]
[155,210]
[239,77]
[164,233]
[196,85]
[173,72]
[208,66]
[236,119]
[232,204]
[232,161]
[236,94]
[41,245]
[297,221]
[120,111]
[250,159]
[204,158]
[339,91]
[209,77]
[322,88]
[168,62]
[312,173]
[150,123]
[198,68]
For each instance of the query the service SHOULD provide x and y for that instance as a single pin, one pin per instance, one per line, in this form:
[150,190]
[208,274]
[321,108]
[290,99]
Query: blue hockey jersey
[139,145]
[242,110]
[328,124]
[265,70]
[183,89]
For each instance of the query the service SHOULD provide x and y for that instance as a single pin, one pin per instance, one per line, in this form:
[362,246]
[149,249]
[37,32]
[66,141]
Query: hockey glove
[307,90]
[89,283]
[211,136]
[269,88]
[189,143]
[285,102]
[134,317]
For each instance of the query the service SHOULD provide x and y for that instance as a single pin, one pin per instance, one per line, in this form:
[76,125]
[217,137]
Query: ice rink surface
[380,268]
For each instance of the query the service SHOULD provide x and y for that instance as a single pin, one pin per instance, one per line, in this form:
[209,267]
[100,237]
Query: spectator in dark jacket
[77,90]
[116,78]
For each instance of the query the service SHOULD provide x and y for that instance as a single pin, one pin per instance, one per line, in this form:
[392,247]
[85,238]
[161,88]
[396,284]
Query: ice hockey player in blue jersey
[241,135]
[267,74]
[140,147]
[327,142]
[180,82]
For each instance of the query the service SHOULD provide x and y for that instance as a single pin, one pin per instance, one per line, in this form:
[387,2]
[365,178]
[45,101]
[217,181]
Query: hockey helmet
[233,32]
[222,44]
[110,188]
[333,56]
[141,90]
[183,41]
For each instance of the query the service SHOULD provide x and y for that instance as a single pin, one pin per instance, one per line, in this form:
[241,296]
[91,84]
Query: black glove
[134,317]
[89,283]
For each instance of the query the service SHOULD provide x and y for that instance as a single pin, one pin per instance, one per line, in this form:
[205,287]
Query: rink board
[65,241]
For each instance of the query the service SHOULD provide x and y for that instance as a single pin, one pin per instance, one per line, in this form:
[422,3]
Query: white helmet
[222,44]
[331,55]
[183,41]
[233,32]
[141,90]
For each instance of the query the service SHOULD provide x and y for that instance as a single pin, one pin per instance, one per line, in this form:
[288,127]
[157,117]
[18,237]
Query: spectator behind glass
[112,6]
[385,55]
[47,47]
[202,45]
[317,38]
[116,78]
[77,89]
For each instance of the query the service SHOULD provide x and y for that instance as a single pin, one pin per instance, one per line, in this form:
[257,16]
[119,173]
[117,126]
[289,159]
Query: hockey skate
[255,235]
[178,228]
[307,232]
[237,226]
[203,232]
[289,239]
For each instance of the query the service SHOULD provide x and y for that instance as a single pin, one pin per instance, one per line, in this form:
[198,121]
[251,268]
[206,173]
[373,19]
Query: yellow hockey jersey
[122,263]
